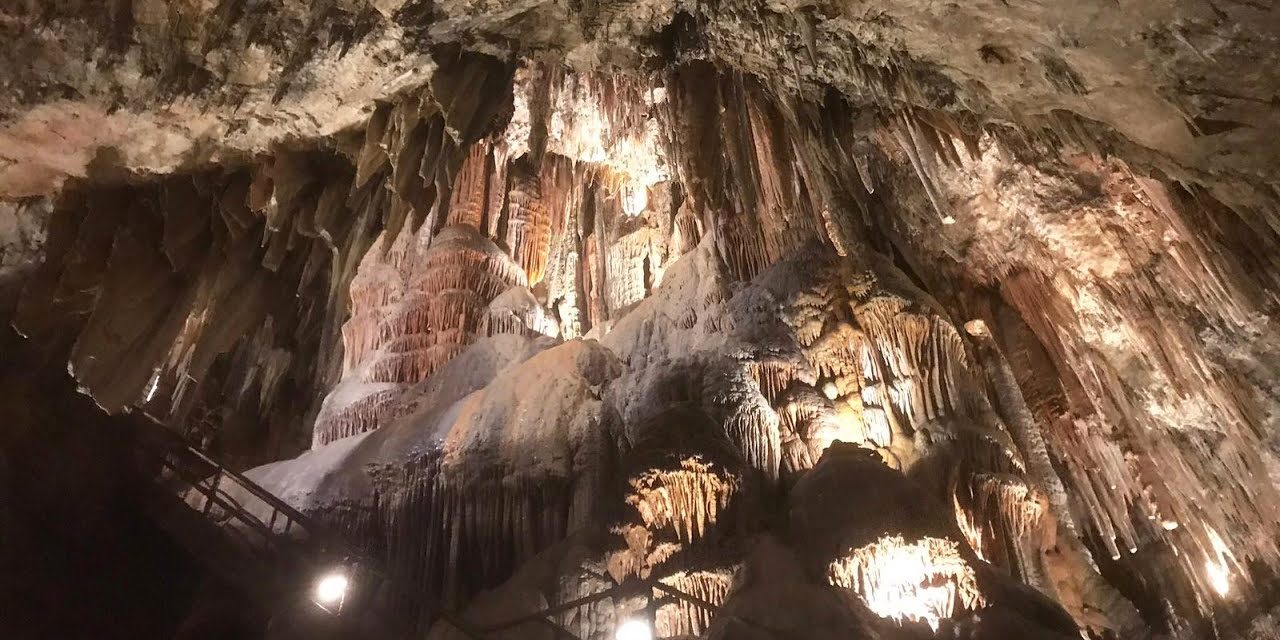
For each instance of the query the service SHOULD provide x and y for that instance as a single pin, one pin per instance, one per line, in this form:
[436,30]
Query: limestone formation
[790,319]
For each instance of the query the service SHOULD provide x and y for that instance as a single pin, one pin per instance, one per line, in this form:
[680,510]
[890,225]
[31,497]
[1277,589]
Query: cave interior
[596,319]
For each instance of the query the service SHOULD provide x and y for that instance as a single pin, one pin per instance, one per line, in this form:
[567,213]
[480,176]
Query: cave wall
[607,303]
[800,314]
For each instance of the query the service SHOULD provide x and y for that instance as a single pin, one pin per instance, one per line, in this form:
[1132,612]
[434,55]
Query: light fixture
[634,629]
[925,580]
[977,328]
[331,590]
[635,199]
[152,385]
[1219,577]
[1217,570]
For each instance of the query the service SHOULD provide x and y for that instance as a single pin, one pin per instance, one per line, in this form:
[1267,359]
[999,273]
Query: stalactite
[1116,476]
[791,333]
[681,618]
[925,581]
[688,231]
[446,539]
[772,378]
[468,198]
[628,260]
[686,500]
[517,311]
[529,226]
[888,366]
[909,136]
[431,301]
[1074,567]
[749,421]
[743,250]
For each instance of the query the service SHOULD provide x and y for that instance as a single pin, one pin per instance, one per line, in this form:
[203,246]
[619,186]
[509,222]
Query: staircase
[248,537]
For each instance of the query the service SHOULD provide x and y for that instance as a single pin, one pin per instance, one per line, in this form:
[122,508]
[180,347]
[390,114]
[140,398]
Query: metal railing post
[212,490]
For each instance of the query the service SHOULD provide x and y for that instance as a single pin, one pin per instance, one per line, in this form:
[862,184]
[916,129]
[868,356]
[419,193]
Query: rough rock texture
[1192,81]
[899,320]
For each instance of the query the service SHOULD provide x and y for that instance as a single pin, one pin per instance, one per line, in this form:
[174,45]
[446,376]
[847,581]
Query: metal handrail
[258,492]
[214,493]
[210,488]
[542,615]
[208,483]
[314,549]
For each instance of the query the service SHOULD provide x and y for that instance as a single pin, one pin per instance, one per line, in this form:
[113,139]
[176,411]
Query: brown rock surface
[572,292]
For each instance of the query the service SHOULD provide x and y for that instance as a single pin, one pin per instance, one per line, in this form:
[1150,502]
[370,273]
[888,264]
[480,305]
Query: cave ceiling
[179,84]
[887,320]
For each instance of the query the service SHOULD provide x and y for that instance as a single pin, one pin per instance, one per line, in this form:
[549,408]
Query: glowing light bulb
[331,589]
[635,197]
[152,385]
[634,629]
[1219,578]
[976,328]
[1218,572]
[924,581]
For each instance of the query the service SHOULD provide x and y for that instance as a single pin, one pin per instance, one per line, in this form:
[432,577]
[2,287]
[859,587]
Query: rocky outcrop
[896,315]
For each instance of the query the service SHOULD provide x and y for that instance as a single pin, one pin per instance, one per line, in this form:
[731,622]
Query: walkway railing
[291,548]
[298,549]
[546,616]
